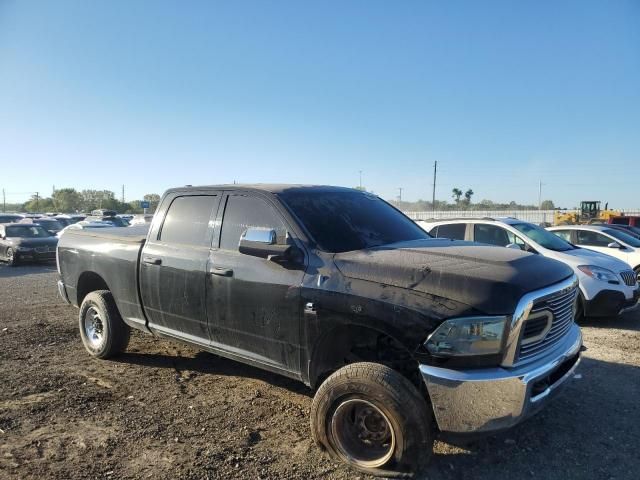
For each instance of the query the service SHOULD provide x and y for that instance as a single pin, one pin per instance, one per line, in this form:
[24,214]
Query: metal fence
[533,216]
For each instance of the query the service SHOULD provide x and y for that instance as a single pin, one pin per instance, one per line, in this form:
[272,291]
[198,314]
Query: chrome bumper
[488,400]
[62,291]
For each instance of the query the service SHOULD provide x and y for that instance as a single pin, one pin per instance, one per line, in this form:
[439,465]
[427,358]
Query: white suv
[607,286]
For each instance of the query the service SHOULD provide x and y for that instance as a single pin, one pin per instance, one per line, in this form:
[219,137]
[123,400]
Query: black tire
[393,407]
[12,261]
[102,330]
[580,316]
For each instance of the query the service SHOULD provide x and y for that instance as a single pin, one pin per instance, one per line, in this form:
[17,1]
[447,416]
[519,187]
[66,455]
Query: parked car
[85,225]
[51,225]
[19,242]
[632,220]
[604,239]
[114,220]
[398,332]
[10,217]
[103,212]
[608,286]
[628,229]
[141,219]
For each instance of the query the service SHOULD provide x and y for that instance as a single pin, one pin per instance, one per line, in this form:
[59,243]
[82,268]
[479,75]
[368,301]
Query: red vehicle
[633,221]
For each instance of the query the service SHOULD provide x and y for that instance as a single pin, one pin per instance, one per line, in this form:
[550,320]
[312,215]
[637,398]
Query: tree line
[69,200]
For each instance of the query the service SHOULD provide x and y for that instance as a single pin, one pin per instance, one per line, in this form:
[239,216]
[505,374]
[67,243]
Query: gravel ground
[166,411]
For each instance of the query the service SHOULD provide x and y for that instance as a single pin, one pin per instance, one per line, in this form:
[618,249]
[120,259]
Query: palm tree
[457,193]
[467,196]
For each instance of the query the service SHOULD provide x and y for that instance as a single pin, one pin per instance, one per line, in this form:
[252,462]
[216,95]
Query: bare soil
[166,411]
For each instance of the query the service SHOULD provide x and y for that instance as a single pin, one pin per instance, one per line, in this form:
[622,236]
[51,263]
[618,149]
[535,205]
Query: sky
[157,94]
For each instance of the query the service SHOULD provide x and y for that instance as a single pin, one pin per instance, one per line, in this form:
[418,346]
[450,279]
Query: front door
[599,242]
[173,267]
[253,304]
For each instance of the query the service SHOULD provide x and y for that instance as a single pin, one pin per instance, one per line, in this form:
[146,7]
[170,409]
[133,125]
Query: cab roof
[274,188]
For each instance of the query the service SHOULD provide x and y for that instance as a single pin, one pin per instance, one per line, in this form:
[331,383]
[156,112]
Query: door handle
[222,271]
[152,260]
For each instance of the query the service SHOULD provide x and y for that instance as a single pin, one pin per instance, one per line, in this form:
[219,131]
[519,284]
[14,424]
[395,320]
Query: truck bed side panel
[111,258]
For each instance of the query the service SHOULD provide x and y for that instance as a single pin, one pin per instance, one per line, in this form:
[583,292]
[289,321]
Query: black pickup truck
[399,333]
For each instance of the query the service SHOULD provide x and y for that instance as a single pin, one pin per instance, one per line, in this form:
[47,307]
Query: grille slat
[561,308]
[629,277]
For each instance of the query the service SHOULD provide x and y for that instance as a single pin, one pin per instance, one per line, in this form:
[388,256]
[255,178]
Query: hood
[583,256]
[489,279]
[33,242]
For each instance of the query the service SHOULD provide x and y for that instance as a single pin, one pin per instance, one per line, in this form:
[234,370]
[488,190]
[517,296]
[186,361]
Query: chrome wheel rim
[93,327]
[10,255]
[363,433]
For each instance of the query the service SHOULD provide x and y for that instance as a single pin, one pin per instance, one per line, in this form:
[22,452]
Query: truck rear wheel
[102,330]
[372,418]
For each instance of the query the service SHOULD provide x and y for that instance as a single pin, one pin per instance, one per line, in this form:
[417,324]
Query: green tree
[456,194]
[547,205]
[154,200]
[67,200]
[38,204]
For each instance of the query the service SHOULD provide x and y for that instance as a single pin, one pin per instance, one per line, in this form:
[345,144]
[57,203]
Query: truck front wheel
[372,418]
[102,330]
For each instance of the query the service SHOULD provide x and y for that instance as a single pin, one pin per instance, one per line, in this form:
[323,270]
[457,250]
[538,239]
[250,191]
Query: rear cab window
[189,220]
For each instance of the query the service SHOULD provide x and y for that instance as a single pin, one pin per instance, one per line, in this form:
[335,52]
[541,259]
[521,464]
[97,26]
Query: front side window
[563,234]
[188,220]
[454,231]
[343,221]
[491,234]
[243,212]
[592,238]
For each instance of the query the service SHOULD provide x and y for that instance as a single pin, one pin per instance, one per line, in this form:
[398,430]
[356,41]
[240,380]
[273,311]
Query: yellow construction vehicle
[589,213]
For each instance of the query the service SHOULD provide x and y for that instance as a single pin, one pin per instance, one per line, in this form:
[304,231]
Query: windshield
[52,225]
[26,231]
[623,237]
[543,237]
[345,221]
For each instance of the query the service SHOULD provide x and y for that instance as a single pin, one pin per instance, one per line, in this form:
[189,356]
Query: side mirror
[259,242]
[514,246]
[614,245]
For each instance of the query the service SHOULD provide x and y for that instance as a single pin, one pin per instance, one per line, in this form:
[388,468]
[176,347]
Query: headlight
[459,337]
[599,273]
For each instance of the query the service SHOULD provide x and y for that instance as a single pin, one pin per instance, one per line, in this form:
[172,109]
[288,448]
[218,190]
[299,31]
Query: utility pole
[435,172]
[399,194]
[540,195]
[37,202]
[360,172]
[122,193]
[4,201]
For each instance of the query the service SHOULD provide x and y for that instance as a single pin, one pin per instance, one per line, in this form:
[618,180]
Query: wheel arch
[350,343]
[89,282]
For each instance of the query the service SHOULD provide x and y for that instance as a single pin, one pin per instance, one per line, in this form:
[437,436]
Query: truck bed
[135,234]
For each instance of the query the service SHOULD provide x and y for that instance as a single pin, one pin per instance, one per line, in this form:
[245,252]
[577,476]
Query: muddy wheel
[372,418]
[12,261]
[102,330]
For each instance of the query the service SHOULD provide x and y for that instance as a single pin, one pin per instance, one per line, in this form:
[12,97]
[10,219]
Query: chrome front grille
[551,317]
[630,277]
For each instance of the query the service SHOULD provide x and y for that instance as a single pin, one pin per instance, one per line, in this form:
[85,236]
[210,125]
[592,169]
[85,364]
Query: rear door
[253,304]
[454,231]
[173,266]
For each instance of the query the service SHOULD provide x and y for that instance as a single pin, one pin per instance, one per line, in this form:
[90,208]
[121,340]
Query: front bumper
[35,256]
[609,303]
[493,399]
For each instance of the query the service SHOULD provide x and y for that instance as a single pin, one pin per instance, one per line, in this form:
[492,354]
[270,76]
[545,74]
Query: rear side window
[593,239]
[452,230]
[243,212]
[187,220]
[491,234]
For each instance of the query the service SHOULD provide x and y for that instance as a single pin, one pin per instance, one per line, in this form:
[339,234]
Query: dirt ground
[166,411]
